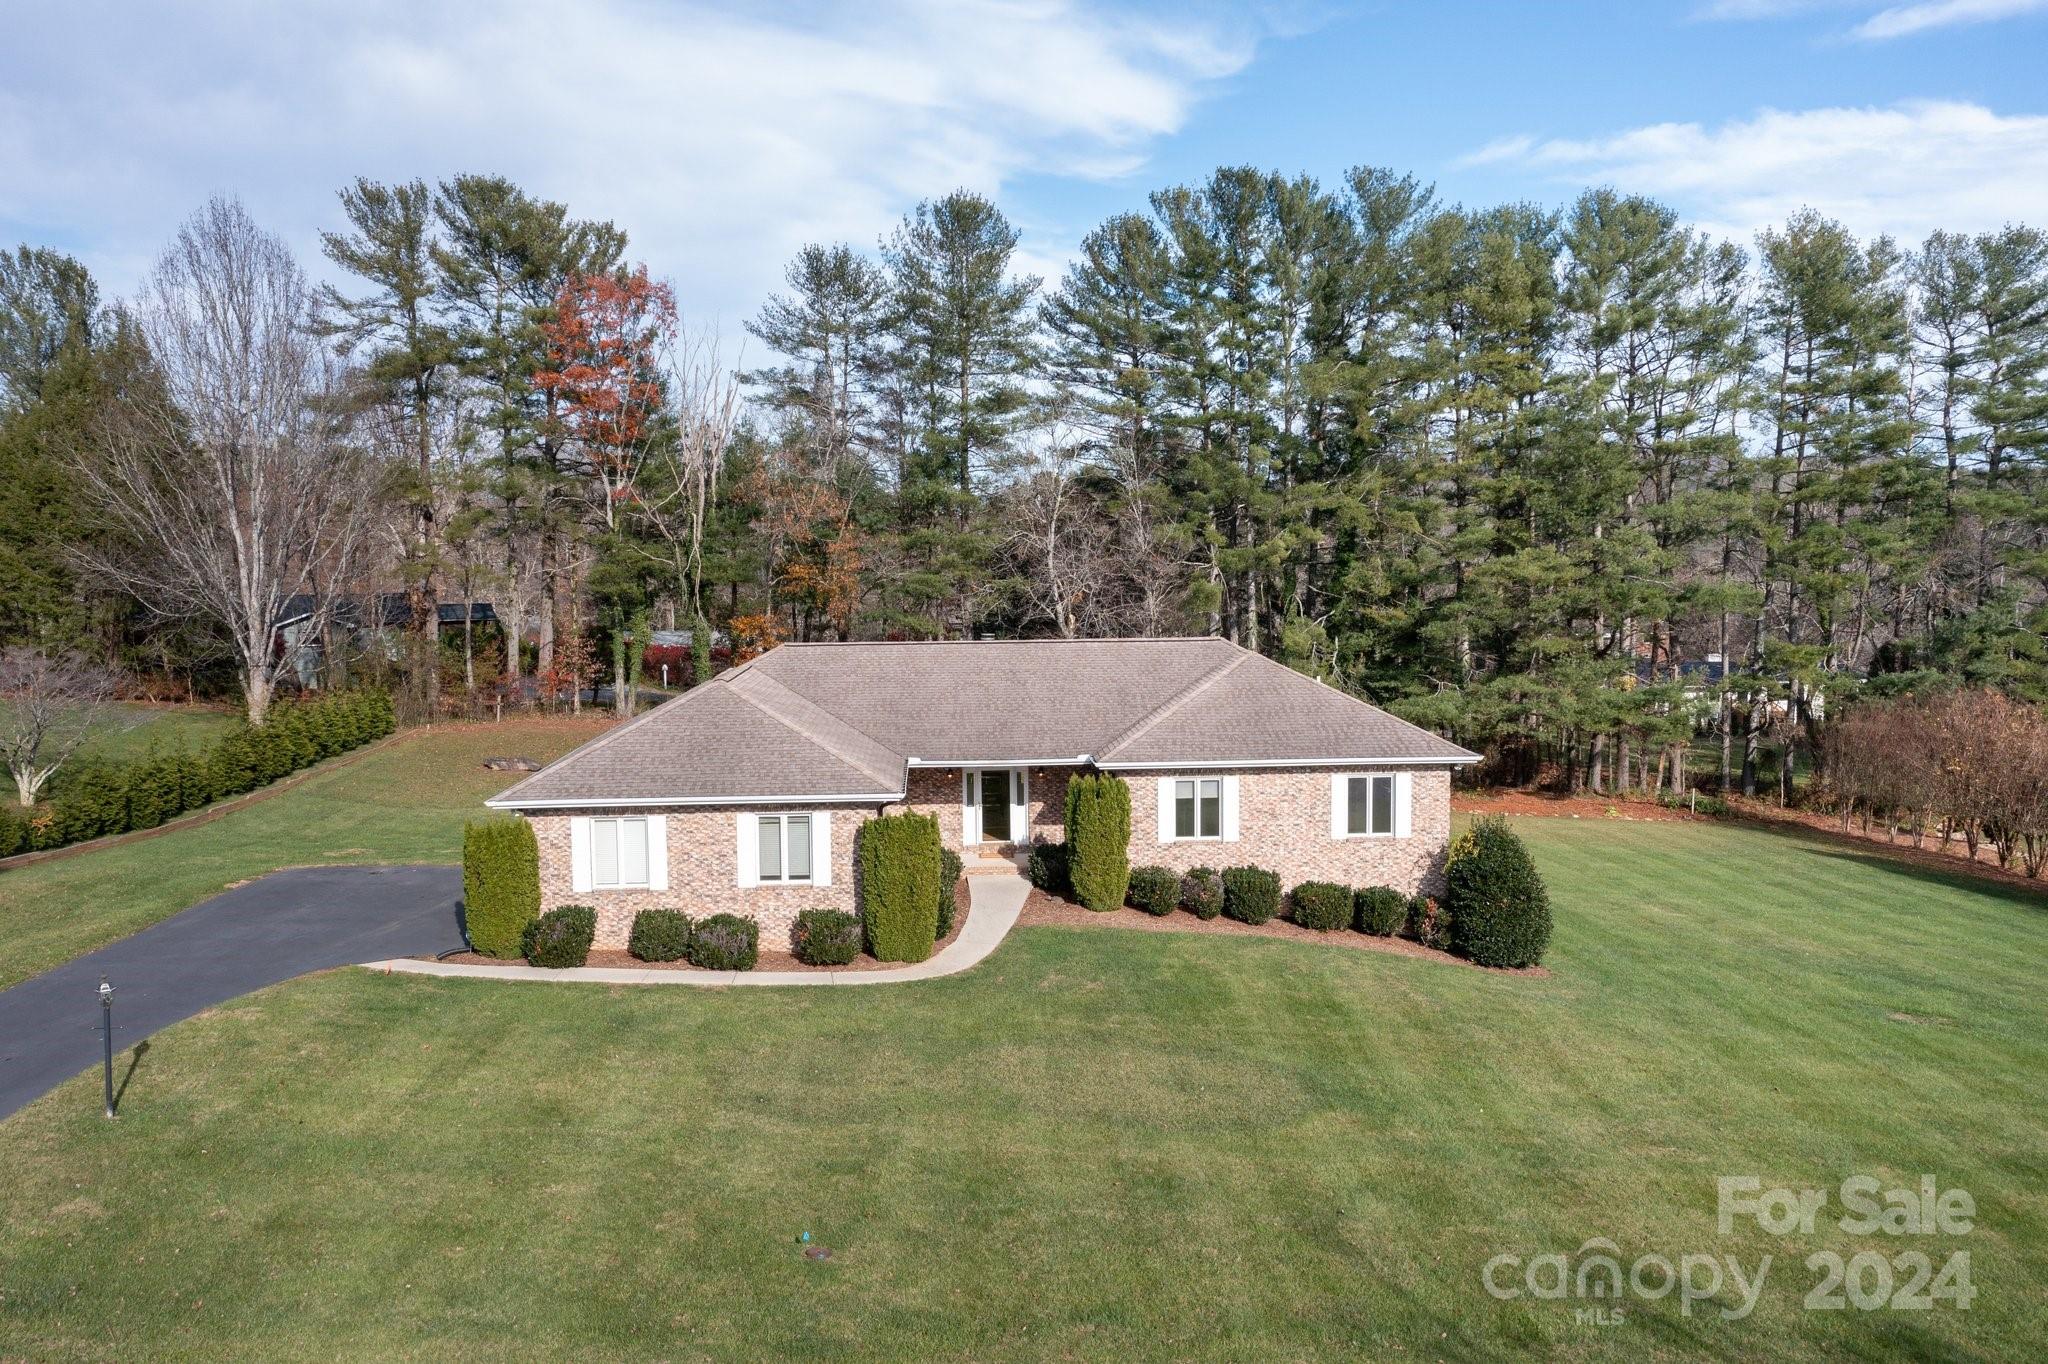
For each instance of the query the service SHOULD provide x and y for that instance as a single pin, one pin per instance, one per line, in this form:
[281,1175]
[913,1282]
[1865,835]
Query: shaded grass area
[1126,1146]
[127,730]
[404,803]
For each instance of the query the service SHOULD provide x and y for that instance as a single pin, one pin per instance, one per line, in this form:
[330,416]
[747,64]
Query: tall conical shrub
[899,886]
[500,884]
[1099,839]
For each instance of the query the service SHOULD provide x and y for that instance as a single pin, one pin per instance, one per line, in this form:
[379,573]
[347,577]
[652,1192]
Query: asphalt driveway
[273,928]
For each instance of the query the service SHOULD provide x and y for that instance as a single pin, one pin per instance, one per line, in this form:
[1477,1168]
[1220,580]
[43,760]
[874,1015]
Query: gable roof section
[1262,713]
[994,700]
[845,721]
[709,745]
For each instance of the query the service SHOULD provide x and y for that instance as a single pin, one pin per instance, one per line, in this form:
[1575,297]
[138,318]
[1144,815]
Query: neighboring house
[368,623]
[746,794]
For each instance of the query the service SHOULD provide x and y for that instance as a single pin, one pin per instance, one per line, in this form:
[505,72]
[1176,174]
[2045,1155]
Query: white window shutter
[970,809]
[1340,805]
[579,853]
[1230,809]
[1166,809]
[1404,802]
[657,852]
[749,849]
[821,848]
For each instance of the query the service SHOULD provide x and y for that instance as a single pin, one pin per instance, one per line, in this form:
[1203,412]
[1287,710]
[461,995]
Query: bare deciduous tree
[235,473]
[679,478]
[52,703]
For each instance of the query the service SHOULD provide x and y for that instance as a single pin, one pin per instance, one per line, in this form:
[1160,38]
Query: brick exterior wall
[703,872]
[1283,821]
[936,791]
[1283,825]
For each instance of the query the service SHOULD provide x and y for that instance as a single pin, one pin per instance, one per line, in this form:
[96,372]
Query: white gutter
[1289,762]
[1078,760]
[622,802]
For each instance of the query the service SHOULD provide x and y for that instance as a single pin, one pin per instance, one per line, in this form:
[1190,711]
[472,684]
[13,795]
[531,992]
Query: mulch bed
[1544,805]
[770,959]
[1040,908]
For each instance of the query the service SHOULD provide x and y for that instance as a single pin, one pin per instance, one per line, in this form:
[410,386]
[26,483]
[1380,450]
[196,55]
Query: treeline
[1581,488]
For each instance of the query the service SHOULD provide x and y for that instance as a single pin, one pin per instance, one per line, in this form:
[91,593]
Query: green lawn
[1096,1145]
[404,803]
[128,729]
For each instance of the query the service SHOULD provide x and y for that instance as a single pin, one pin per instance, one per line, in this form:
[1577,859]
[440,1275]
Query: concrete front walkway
[994,902]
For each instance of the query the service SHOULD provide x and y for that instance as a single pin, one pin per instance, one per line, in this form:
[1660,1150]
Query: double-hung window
[1369,806]
[1198,808]
[785,848]
[618,853]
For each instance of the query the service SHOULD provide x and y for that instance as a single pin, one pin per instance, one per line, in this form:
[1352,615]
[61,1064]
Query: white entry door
[993,806]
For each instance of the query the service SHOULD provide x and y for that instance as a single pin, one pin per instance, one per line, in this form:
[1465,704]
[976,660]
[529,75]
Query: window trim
[1399,793]
[646,880]
[1196,800]
[781,877]
[1168,800]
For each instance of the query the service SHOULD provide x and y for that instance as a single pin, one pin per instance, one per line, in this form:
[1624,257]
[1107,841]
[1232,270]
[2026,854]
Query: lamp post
[107,1035]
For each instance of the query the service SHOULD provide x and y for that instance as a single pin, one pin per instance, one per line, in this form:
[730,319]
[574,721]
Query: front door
[995,804]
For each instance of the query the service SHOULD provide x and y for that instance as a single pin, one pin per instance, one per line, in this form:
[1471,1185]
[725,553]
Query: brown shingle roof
[843,721]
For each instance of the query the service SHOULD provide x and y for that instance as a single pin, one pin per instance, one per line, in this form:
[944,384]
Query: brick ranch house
[745,794]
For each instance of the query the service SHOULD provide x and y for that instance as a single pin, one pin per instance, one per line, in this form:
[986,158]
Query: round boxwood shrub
[659,935]
[1381,910]
[900,871]
[560,937]
[1201,893]
[1047,868]
[949,885]
[725,942]
[1322,905]
[1156,890]
[1500,913]
[1251,895]
[1099,839]
[825,937]
[500,884]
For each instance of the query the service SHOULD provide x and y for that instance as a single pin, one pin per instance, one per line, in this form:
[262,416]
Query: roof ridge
[593,744]
[803,723]
[1183,697]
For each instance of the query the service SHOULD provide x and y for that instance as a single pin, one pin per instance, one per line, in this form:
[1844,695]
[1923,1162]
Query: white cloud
[1905,170]
[720,137]
[1890,21]
[1900,20]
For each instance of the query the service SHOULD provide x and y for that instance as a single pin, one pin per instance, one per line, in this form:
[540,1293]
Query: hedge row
[92,798]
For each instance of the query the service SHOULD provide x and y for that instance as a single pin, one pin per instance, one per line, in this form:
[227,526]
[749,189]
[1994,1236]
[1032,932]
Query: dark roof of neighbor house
[846,721]
[387,610]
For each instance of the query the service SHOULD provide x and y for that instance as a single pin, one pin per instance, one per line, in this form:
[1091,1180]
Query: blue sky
[723,137]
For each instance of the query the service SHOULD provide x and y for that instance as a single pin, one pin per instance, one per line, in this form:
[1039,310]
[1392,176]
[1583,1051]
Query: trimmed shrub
[1322,905]
[725,942]
[1156,890]
[825,937]
[500,884]
[949,885]
[1099,839]
[1426,922]
[1047,869]
[659,935]
[1251,895]
[899,886]
[560,938]
[95,801]
[1381,910]
[13,832]
[1500,913]
[1201,893]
